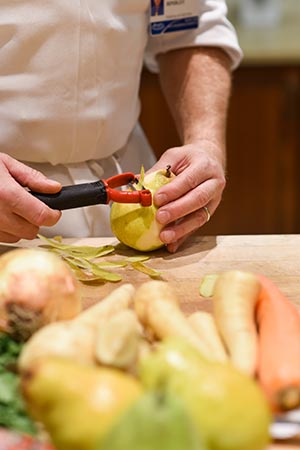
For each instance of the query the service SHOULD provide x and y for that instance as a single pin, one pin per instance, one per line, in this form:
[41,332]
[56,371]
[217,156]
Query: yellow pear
[157,421]
[227,406]
[77,404]
[135,225]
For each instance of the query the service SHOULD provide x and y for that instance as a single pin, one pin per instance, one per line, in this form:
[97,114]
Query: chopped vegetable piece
[206,288]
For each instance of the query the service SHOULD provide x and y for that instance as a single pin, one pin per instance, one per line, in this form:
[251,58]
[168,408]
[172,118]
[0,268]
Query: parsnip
[203,323]
[158,309]
[166,319]
[117,340]
[76,338]
[235,296]
[150,291]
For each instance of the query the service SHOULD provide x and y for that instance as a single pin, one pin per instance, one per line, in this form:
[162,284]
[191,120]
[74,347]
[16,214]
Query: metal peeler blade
[286,426]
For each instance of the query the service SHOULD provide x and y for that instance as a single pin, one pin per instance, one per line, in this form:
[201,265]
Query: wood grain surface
[276,256]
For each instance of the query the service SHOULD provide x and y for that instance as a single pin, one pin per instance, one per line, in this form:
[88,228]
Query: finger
[8,238]
[163,162]
[190,202]
[174,246]
[17,226]
[37,213]
[28,207]
[173,157]
[183,183]
[31,178]
[173,233]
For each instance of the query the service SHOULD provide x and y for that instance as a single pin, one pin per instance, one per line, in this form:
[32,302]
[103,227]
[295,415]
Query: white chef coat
[69,83]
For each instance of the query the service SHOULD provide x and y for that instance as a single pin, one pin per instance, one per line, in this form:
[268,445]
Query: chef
[69,107]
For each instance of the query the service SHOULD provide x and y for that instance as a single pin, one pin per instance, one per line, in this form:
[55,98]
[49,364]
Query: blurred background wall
[262,195]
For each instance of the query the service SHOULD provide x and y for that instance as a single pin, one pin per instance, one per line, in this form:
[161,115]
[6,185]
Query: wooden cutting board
[276,256]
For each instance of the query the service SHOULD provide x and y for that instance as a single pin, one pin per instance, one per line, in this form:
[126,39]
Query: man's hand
[196,83]
[199,183]
[21,214]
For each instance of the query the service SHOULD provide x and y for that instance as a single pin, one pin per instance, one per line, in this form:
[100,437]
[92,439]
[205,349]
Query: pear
[77,404]
[227,406]
[155,421]
[135,225]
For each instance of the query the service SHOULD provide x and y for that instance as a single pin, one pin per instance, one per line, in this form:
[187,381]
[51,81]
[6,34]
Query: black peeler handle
[75,196]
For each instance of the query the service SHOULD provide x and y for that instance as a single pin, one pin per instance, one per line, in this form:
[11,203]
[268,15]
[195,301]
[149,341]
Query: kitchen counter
[276,256]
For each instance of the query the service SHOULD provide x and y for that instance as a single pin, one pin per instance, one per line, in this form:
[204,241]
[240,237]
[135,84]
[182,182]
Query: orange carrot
[278,347]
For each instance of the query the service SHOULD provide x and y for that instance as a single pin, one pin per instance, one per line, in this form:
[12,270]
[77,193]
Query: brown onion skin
[36,287]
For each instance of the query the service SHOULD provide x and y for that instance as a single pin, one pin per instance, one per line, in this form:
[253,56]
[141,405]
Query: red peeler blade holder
[97,192]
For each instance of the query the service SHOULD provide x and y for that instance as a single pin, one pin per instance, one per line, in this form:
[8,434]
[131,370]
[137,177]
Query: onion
[36,287]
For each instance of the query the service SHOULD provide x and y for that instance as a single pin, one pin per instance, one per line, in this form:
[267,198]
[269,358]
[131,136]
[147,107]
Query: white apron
[69,82]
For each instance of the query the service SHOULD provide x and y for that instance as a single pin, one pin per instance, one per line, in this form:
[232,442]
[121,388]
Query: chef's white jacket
[69,83]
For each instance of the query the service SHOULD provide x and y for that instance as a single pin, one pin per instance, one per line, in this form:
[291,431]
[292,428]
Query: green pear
[227,406]
[155,421]
[135,225]
[77,404]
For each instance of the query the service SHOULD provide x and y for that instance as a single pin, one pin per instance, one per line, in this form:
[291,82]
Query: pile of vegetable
[133,371]
[260,329]
[136,343]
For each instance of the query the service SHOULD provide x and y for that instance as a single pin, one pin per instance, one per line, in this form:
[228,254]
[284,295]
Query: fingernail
[168,236]
[53,182]
[160,199]
[162,217]
[172,248]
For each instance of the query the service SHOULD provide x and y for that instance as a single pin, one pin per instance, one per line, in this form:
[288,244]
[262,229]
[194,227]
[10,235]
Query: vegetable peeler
[97,192]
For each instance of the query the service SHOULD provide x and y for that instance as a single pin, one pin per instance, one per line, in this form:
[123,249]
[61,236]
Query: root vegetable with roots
[36,288]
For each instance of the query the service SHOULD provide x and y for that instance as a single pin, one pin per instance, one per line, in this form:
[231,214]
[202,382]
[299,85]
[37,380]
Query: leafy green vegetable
[12,409]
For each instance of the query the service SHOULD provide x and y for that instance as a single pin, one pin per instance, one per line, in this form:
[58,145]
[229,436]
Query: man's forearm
[196,83]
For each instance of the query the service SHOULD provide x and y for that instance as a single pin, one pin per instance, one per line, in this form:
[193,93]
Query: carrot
[278,369]
[234,298]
